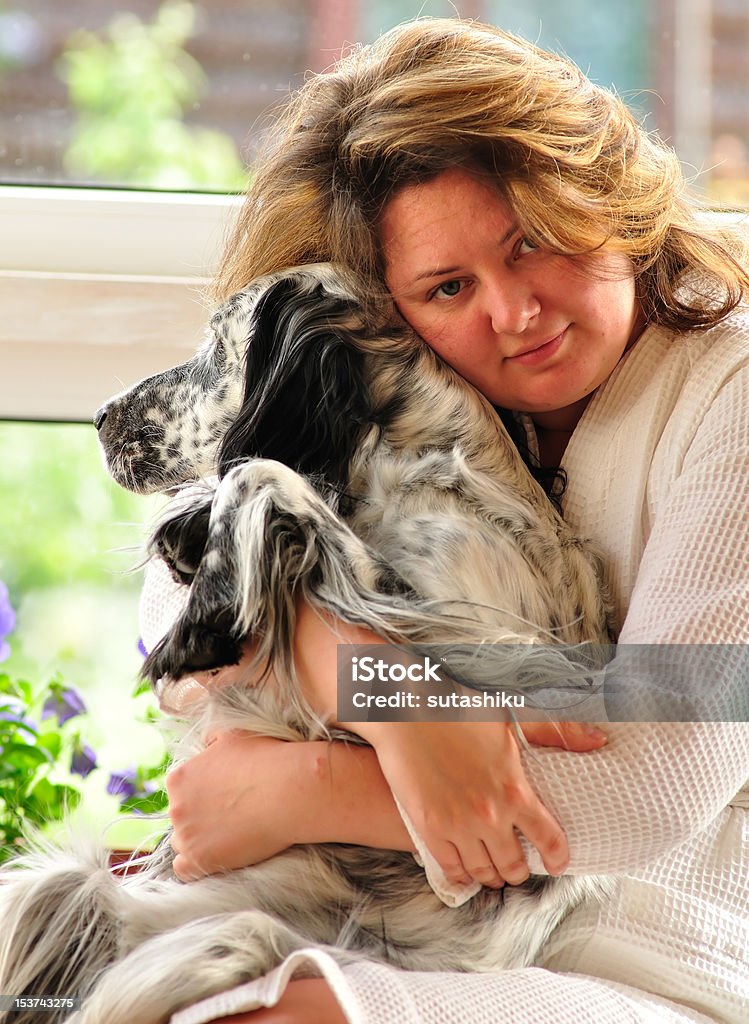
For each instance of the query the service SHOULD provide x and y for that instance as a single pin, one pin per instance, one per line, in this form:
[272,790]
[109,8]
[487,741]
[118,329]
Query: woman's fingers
[467,795]
[544,832]
[475,864]
[576,736]
[506,855]
[482,864]
[451,862]
[492,861]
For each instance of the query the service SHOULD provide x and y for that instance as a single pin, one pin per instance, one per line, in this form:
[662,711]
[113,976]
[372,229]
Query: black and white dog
[361,474]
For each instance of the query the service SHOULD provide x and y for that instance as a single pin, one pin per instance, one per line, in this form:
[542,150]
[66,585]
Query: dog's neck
[439,409]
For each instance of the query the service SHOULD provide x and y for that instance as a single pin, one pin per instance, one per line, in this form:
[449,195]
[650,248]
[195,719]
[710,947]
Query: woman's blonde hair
[577,169]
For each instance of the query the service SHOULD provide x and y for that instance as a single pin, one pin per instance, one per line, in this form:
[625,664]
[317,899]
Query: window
[98,289]
[176,94]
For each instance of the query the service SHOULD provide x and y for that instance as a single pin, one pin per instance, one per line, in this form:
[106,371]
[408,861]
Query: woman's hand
[462,785]
[577,736]
[464,788]
[240,801]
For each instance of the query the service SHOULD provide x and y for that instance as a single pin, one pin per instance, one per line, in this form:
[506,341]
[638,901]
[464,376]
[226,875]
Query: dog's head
[281,375]
[166,429]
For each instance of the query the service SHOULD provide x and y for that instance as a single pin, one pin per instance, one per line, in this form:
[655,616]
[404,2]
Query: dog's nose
[99,416]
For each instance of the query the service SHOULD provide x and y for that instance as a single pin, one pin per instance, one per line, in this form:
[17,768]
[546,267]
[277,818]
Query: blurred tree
[131,88]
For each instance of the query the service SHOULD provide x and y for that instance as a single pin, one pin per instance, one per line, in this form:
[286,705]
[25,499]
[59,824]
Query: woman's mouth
[533,356]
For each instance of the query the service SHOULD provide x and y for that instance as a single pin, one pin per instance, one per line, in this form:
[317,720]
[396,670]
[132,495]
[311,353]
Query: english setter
[359,473]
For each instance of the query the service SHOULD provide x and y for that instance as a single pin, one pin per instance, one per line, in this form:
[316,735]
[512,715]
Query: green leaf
[157,770]
[24,755]
[153,803]
[52,743]
[49,801]
[19,688]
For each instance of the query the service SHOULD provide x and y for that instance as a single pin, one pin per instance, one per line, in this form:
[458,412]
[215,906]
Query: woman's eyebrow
[437,272]
[441,271]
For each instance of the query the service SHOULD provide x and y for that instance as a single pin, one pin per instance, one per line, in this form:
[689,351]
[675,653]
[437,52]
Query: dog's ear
[306,397]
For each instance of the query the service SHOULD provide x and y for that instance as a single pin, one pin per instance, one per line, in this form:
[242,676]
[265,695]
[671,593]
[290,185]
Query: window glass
[175,95]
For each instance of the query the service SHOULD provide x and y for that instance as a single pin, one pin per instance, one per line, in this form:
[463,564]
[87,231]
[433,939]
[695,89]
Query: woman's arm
[247,797]
[276,794]
[462,785]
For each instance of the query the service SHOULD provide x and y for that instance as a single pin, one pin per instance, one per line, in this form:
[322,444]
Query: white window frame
[99,288]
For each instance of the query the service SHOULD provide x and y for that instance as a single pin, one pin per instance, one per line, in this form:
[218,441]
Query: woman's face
[533,331]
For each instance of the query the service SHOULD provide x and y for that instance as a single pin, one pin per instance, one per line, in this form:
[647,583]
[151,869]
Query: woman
[542,243]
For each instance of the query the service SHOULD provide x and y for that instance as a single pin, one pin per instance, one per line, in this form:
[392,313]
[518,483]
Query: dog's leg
[178,968]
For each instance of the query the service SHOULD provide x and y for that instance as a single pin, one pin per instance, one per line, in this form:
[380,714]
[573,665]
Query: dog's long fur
[423,525]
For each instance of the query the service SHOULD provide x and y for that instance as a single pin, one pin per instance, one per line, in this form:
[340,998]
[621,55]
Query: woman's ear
[306,396]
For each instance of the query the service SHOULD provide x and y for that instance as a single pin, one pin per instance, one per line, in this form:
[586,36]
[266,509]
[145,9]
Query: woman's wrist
[346,799]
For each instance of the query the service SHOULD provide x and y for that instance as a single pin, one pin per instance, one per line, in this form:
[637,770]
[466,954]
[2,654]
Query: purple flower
[123,784]
[83,760]
[65,702]
[142,647]
[7,621]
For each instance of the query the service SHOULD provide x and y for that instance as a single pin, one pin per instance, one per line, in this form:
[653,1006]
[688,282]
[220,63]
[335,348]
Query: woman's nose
[511,307]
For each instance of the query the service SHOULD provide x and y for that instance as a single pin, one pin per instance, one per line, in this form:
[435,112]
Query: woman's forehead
[425,224]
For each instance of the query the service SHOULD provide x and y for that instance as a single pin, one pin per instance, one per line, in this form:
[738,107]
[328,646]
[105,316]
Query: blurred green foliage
[62,515]
[70,537]
[44,762]
[131,88]
[32,750]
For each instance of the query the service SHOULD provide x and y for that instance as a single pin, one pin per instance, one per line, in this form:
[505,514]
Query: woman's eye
[448,289]
[525,246]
